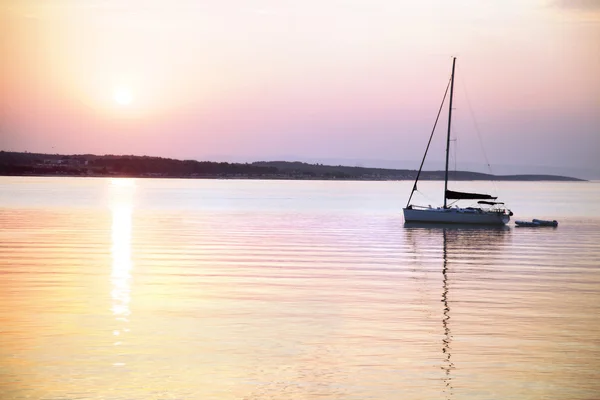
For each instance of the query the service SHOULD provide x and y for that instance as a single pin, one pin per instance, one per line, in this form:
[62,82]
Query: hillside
[36,164]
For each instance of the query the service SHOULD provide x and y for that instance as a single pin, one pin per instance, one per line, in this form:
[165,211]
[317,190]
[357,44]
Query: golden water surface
[191,289]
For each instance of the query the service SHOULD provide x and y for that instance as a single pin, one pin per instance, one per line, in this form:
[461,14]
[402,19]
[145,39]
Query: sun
[122,95]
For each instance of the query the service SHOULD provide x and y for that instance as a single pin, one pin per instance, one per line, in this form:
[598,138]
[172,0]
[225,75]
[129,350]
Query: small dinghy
[537,222]
[542,222]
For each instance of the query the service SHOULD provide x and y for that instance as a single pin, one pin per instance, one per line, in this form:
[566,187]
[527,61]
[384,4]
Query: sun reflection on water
[121,193]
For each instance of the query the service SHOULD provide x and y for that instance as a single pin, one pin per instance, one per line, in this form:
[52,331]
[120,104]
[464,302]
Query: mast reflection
[457,245]
[447,341]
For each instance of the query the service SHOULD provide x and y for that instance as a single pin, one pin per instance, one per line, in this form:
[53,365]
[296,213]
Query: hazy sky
[272,79]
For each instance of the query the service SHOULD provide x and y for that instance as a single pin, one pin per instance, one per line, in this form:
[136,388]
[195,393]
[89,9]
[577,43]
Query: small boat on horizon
[487,212]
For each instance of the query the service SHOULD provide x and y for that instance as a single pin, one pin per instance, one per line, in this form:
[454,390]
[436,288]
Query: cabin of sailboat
[487,211]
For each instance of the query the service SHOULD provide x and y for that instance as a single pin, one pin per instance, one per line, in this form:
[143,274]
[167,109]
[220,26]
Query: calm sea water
[224,289]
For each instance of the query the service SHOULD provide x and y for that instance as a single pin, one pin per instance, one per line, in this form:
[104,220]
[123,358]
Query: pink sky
[272,79]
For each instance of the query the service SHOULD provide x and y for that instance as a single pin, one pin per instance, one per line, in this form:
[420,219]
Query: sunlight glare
[121,205]
[123,182]
[121,255]
[122,96]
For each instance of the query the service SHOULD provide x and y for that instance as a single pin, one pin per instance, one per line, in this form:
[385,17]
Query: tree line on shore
[24,163]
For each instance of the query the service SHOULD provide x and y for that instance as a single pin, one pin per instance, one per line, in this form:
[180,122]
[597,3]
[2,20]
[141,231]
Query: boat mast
[449,125]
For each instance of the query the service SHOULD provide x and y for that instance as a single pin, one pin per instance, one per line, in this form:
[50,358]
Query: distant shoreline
[89,165]
[516,178]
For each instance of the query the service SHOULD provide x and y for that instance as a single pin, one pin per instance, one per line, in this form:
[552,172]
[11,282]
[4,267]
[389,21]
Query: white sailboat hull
[455,216]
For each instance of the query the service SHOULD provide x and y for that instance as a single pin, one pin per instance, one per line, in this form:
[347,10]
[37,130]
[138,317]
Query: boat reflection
[121,194]
[433,227]
[456,240]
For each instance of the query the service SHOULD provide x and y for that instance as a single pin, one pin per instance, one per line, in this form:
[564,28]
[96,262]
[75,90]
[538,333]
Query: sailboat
[488,211]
